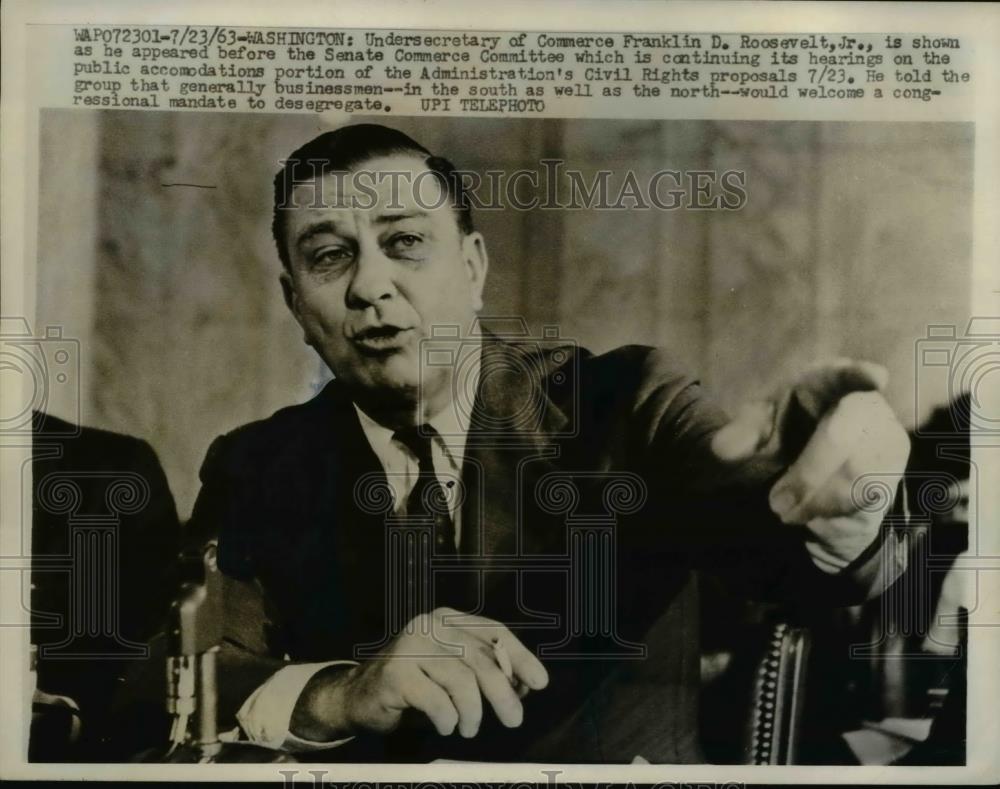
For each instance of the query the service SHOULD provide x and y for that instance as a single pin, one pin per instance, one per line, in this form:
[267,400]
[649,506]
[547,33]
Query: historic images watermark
[549,186]
[549,777]
[957,366]
[40,370]
[36,369]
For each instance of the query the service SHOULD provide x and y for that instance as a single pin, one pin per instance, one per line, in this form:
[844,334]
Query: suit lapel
[347,547]
[511,444]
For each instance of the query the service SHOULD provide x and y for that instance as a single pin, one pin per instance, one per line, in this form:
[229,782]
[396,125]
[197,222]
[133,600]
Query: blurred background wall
[155,252]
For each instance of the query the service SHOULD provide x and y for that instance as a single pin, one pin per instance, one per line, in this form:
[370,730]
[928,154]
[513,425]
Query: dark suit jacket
[574,461]
[104,535]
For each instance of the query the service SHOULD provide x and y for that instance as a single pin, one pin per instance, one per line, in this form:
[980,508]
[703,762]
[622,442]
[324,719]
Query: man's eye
[404,242]
[331,256]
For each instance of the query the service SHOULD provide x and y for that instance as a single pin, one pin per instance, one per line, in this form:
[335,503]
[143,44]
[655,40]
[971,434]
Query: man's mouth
[380,340]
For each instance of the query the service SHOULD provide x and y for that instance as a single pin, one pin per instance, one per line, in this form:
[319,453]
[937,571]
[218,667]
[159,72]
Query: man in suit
[494,556]
[103,537]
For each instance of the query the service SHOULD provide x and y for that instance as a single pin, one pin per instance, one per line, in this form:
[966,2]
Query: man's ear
[292,301]
[477,264]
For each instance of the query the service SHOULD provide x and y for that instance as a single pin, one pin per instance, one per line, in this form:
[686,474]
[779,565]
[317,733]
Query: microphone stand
[193,638]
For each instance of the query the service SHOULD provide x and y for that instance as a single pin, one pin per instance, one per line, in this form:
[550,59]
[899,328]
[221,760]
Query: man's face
[374,269]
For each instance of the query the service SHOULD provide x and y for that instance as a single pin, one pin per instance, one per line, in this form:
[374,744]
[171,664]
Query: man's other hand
[442,664]
[842,450]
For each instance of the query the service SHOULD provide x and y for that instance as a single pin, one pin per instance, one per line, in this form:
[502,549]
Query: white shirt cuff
[266,715]
[834,558]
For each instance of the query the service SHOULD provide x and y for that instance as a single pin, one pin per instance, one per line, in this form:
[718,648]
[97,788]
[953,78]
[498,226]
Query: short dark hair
[344,149]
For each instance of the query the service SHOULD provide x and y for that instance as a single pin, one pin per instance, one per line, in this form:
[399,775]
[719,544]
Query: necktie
[428,502]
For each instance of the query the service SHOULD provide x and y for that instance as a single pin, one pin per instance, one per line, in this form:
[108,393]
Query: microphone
[194,634]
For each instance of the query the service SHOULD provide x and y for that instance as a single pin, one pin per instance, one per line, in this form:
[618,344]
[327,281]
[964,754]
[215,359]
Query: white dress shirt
[266,715]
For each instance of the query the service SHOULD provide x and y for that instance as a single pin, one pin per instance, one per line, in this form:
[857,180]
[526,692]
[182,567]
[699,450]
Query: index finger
[835,439]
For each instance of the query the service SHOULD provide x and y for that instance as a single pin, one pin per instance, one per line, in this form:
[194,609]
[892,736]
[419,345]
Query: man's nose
[372,279]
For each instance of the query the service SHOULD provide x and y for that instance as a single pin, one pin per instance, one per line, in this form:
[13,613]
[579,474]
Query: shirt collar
[451,422]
